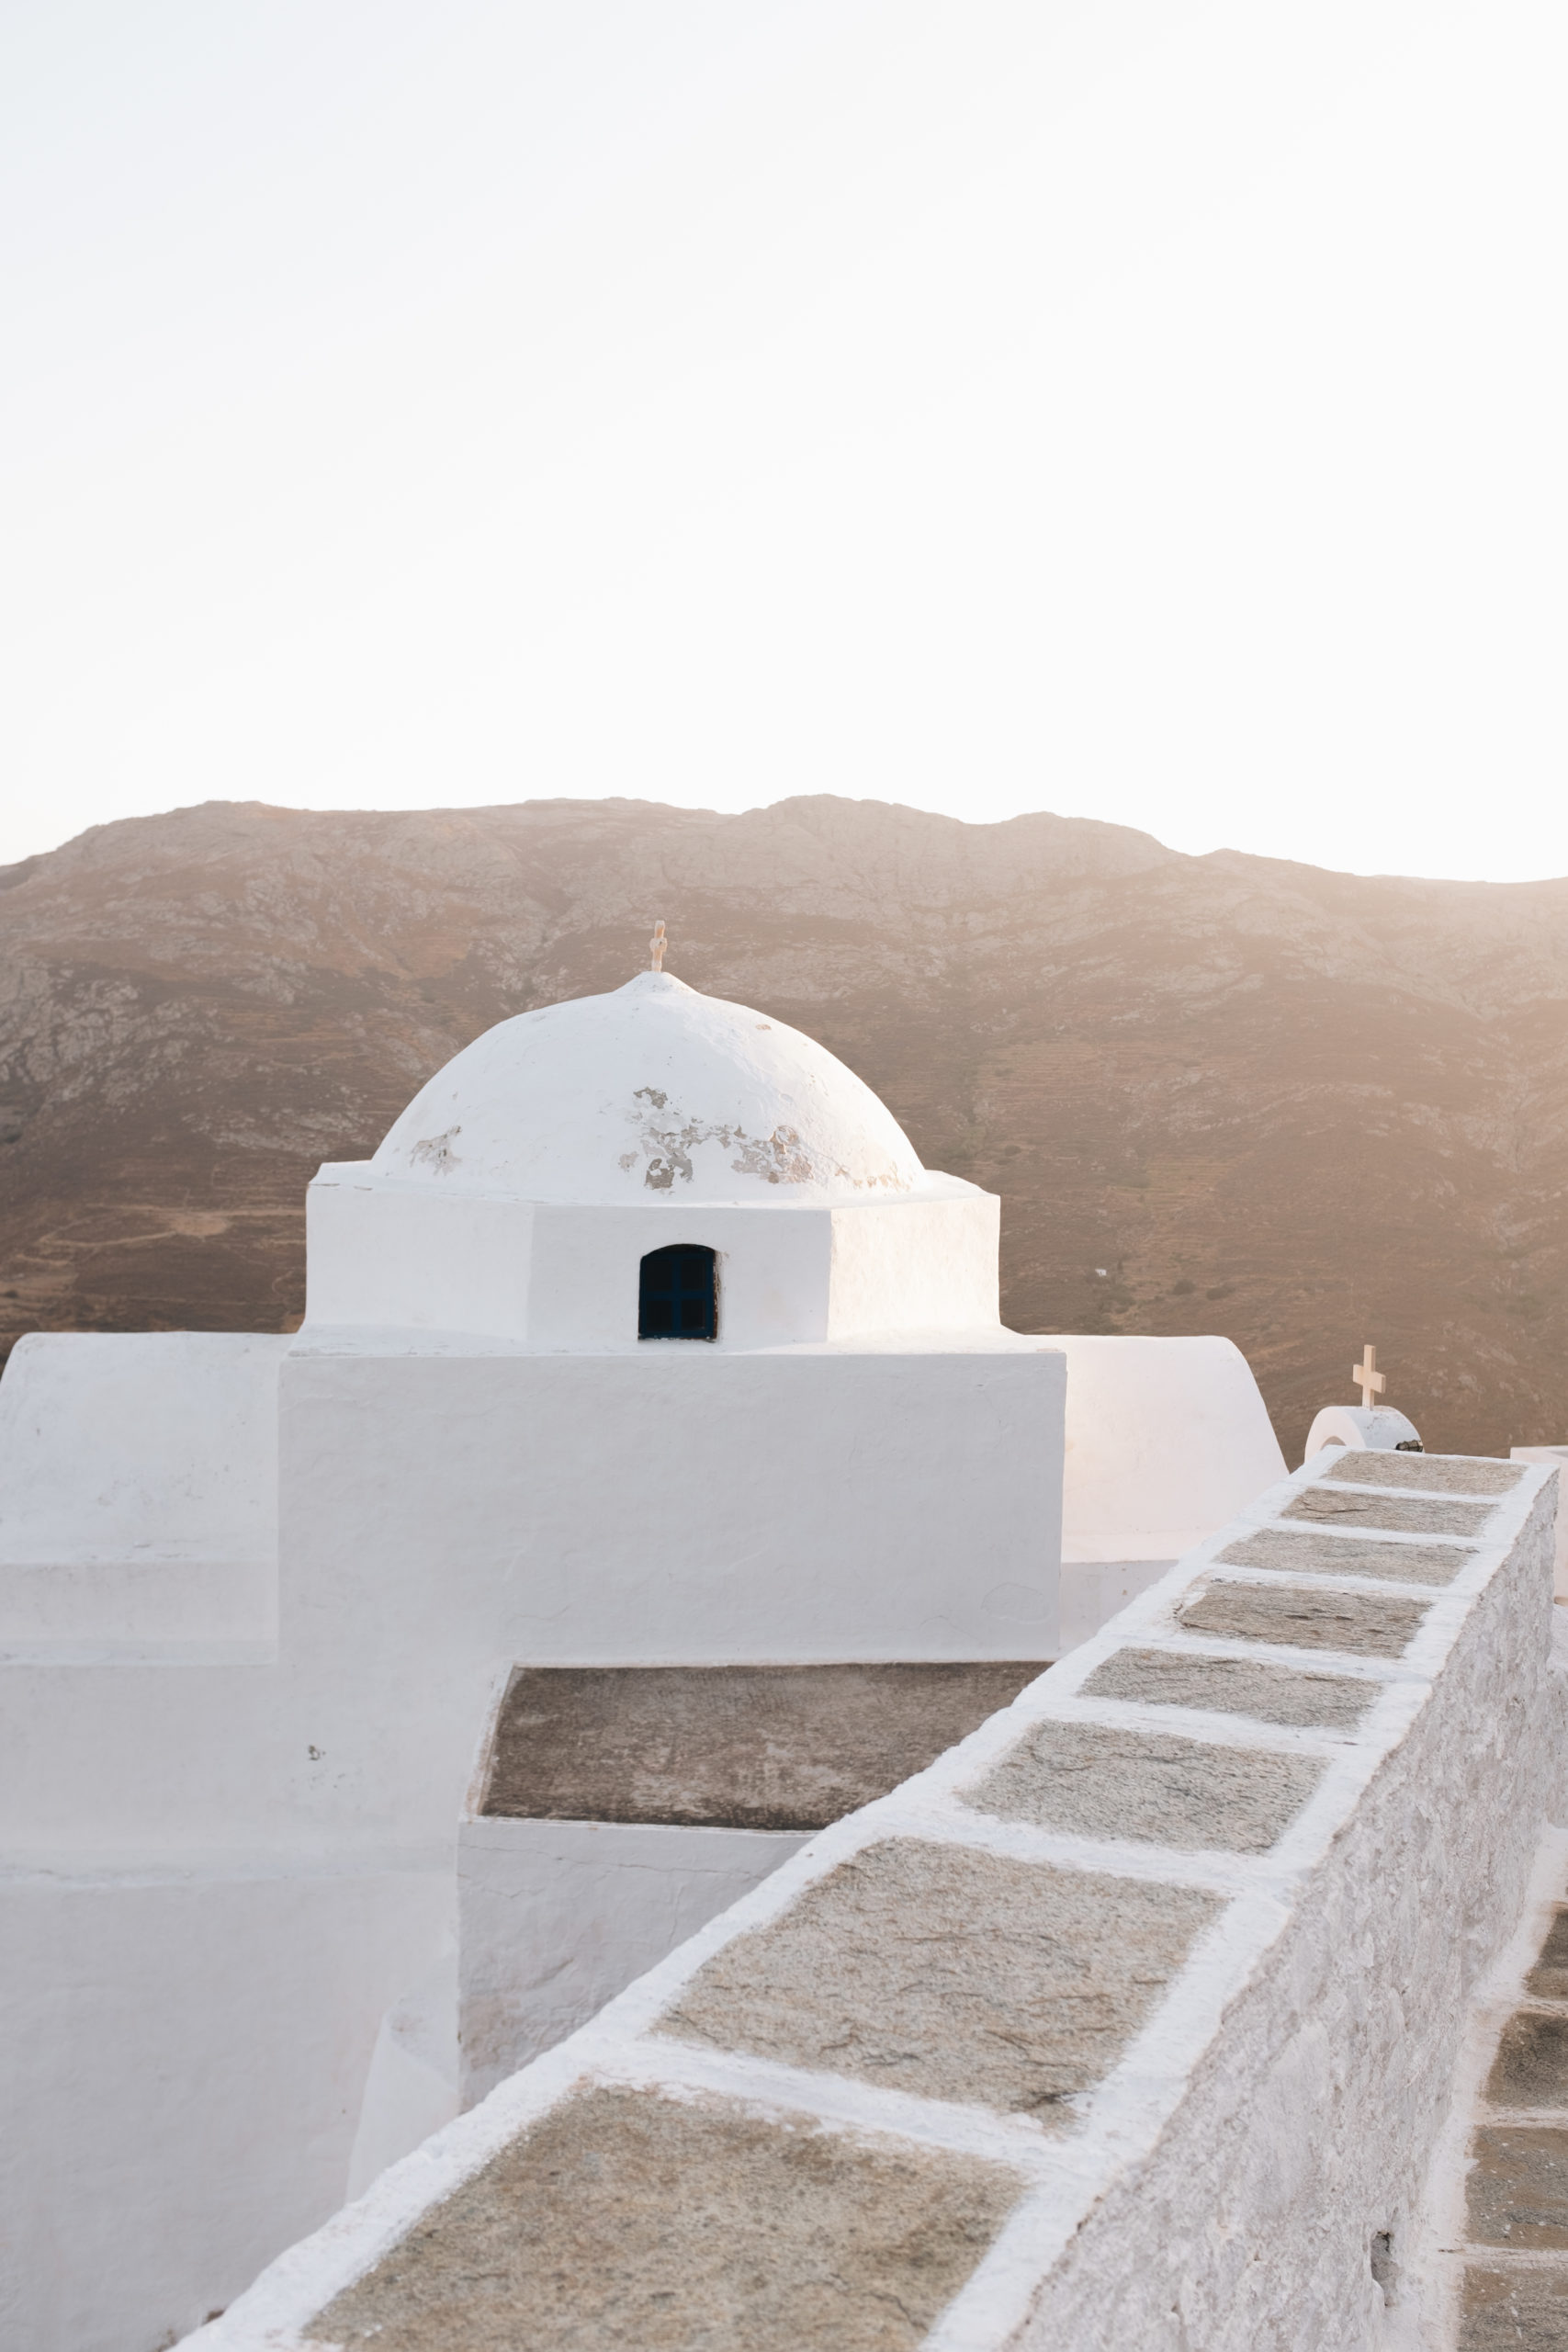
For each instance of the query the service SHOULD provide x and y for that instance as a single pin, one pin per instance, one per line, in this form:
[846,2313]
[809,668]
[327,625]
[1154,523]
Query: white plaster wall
[139,1494]
[772,1271]
[555,1917]
[411,1259]
[1093,1591]
[78,1612]
[406,1257]
[163,2029]
[385,1257]
[929,1262]
[443,1519]
[411,2087]
[1165,1439]
[159,1445]
[674,1504]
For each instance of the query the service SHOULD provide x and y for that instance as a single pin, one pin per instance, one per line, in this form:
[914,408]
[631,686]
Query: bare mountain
[1218,1093]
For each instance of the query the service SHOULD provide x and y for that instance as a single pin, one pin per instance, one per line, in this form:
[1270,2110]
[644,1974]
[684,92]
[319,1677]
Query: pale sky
[1132,408]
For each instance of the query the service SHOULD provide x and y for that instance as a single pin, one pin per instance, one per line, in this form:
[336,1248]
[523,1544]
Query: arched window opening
[678,1296]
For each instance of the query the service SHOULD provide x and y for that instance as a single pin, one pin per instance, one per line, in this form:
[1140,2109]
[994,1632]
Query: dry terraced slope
[1300,1107]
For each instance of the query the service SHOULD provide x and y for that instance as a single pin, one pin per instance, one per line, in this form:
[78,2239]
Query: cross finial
[1367,1376]
[658,944]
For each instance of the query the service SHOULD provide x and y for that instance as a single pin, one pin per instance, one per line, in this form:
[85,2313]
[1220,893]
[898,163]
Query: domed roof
[653,1092]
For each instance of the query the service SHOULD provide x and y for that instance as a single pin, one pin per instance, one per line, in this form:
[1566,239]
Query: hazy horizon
[1143,413]
[1017,816]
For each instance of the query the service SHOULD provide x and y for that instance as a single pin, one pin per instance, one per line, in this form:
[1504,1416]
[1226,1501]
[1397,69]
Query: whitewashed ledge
[1129,2022]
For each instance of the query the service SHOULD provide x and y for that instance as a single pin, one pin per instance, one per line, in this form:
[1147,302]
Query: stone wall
[622,1807]
[1130,2021]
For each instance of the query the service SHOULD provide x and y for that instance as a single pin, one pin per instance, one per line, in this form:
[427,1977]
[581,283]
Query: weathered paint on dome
[651,1092]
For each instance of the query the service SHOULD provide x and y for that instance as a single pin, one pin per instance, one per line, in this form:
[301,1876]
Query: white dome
[652,1093]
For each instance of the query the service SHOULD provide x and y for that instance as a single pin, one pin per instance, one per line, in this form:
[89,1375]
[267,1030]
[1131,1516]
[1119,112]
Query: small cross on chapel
[1366,1375]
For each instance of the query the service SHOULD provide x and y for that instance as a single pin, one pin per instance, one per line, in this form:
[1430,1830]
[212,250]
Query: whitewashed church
[651,1486]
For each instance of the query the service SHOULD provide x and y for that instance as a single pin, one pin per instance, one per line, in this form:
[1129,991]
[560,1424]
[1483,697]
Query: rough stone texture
[625,2218]
[1400,1514]
[1301,2132]
[884,1970]
[1514,2177]
[1532,2066]
[1517,2193]
[1426,1473]
[1345,1555]
[1547,1980]
[1308,2129]
[1515,2310]
[1104,1783]
[1230,1686]
[1367,1625]
[738,1746]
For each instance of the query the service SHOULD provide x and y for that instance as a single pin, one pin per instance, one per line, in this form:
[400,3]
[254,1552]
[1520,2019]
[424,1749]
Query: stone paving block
[1232,1686]
[741,1747]
[1516,2189]
[1310,1554]
[1400,1514]
[624,2219]
[1366,1623]
[1104,1783]
[1515,2310]
[1547,1980]
[1429,1473]
[1532,2066]
[951,1973]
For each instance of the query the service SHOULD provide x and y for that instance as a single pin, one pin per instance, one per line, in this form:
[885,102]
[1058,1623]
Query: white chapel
[644,1345]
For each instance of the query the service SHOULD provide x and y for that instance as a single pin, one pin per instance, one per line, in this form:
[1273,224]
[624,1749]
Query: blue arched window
[678,1296]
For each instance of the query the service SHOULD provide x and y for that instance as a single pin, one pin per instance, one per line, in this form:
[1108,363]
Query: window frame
[676,1296]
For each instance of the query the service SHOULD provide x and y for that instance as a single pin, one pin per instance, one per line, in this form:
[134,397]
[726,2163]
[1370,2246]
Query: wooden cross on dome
[658,944]
[1366,1375]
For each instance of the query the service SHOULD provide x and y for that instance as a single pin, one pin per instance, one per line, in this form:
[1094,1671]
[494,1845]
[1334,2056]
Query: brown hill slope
[1296,1106]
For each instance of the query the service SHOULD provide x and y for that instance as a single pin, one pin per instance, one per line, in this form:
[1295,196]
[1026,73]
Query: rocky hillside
[1217,1093]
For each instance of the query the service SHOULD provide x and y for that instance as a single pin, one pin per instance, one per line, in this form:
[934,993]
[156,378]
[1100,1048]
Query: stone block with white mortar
[1044,2048]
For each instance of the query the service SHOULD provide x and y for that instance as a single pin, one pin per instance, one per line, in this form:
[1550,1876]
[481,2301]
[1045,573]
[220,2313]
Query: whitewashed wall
[1226,2182]
[184,2050]
[138,1496]
[555,1917]
[1165,1441]
[401,1256]
[183,1828]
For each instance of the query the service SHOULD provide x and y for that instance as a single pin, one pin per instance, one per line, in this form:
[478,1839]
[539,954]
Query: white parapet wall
[1165,1440]
[1130,2022]
[138,1498]
[387,1255]
[555,1917]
